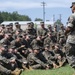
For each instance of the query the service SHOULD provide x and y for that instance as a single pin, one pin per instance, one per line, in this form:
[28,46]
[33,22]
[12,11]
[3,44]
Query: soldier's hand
[59,57]
[47,67]
[22,45]
[43,37]
[23,51]
[12,61]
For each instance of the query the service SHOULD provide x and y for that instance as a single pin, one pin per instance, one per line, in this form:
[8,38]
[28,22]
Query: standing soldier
[33,29]
[55,32]
[2,28]
[70,43]
[11,28]
[61,36]
[7,29]
[18,27]
[5,40]
[50,28]
[30,30]
[42,31]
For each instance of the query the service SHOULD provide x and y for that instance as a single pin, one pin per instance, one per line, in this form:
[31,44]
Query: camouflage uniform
[5,40]
[3,28]
[4,70]
[20,59]
[30,31]
[70,43]
[36,42]
[61,36]
[49,40]
[6,58]
[53,32]
[49,56]
[42,31]
[35,60]
[18,27]
[59,55]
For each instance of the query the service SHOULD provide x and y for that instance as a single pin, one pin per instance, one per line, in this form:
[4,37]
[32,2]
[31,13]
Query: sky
[34,8]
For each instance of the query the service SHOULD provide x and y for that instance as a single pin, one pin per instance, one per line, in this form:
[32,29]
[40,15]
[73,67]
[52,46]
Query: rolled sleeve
[70,25]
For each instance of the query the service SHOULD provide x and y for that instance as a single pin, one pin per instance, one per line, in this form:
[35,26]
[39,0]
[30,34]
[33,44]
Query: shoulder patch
[70,19]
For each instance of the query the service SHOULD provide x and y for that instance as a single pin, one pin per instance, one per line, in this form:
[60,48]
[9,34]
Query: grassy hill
[66,70]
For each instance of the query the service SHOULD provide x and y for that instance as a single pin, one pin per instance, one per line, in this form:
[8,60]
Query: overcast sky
[33,8]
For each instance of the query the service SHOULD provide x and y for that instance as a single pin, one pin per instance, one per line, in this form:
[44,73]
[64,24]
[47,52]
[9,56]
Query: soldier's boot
[16,72]
[24,67]
[61,64]
[30,68]
[55,66]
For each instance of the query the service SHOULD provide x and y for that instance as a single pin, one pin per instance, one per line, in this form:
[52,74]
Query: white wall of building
[24,23]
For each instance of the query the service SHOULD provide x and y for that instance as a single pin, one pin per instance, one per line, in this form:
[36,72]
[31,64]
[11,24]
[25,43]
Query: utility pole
[53,18]
[60,17]
[43,4]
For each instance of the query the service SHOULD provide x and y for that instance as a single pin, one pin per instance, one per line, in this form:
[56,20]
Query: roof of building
[25,22]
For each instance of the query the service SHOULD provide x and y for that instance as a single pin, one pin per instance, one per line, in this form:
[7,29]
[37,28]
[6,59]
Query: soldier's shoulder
[47,38]
[39,29]
[46,29]
[12,42]
[43,52]
[71,16]
[30,55]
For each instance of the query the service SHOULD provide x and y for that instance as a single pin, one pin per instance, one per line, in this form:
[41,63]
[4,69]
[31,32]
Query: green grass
[66,70]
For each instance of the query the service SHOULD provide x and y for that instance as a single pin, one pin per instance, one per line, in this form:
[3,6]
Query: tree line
[14,16]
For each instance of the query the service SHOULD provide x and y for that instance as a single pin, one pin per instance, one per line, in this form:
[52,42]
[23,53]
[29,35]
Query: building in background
[24,23]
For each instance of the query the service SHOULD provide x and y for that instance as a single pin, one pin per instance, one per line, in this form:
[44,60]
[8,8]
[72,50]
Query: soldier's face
[49,35]
[0,51]
[18,39]
[46,48]
[7,36]
[36,51]
[15,50]
[55,29]
[73,8]
[42,25]
[27,37]
[10,50]
[3,50]
[56,47]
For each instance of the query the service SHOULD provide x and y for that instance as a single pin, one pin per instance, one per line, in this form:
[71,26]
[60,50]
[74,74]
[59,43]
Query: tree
[5,16]
[1,18]
[38,19]
[58,23]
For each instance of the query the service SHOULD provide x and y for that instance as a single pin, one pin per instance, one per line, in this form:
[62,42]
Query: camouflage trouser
[37,66]
[3,70]
[70,54]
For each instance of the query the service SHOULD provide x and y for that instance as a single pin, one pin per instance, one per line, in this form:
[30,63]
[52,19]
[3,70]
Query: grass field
[66,70]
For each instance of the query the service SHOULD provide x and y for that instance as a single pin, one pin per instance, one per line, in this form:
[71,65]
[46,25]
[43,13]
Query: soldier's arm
[4,60]
[68,29]
[51,55]
[38,32]
[39,61]
[69,25]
